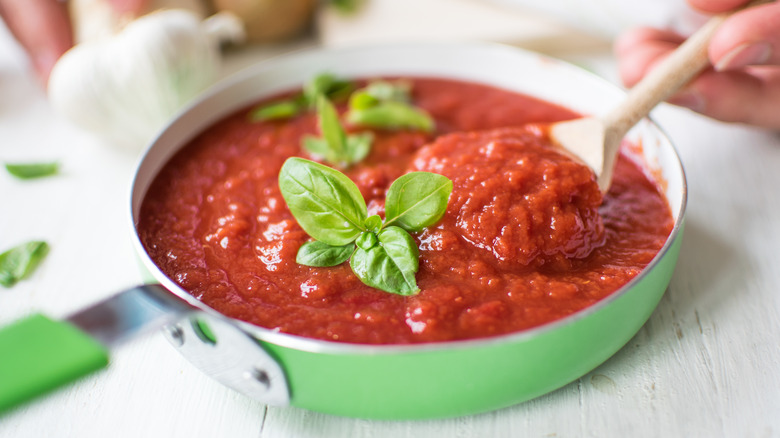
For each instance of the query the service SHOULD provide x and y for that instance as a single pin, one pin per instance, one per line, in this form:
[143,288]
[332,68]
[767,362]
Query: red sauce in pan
[526,238]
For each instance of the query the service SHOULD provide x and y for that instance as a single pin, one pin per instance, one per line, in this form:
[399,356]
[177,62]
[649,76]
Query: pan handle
[40,354]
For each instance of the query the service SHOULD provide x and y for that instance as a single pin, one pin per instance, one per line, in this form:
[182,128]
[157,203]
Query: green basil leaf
[361,99]
[320,148]
[316,253]
[399,91]
[380,91]
[32,170]
[316,146]
[366,240]
[335,146]
[390,266]
[330,126]
[391,115]
[326,84]
[321,85]
[283,109]
[18,262]
[417,200]
[340,90]
[358,147]
[317,86]
[326,204]
[373,223]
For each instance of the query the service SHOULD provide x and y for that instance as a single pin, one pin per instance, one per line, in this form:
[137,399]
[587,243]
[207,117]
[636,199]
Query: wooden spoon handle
[666,78]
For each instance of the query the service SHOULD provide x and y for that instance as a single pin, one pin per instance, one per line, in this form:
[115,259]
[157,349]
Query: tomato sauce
[526,238]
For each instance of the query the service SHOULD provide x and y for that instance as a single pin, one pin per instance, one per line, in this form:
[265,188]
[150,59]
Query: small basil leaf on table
[326,204]
[391,265]
[18,262]
[32,170]
[417,200]
[320,254]
[391,115]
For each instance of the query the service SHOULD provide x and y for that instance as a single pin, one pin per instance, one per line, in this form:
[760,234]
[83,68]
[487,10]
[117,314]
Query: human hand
[744,83]
[43,28]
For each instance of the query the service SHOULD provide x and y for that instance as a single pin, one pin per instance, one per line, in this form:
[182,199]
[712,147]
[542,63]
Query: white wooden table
[707,364]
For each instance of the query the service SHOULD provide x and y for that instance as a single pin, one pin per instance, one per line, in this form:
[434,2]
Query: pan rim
[341,348]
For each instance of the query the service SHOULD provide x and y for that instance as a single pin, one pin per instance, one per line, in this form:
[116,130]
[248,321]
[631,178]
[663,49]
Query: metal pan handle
[39,354]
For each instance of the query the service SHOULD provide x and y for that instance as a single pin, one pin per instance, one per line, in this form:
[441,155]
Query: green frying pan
[377,381]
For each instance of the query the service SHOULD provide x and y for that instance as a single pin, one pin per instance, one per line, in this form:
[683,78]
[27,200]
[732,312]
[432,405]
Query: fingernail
[744,55]
[689,99]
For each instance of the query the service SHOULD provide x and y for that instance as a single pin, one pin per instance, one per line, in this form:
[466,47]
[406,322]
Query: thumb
[749,37]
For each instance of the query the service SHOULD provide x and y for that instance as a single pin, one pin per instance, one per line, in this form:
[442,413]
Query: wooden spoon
[596,140]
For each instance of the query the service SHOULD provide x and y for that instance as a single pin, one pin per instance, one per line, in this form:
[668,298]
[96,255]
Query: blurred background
[145,65]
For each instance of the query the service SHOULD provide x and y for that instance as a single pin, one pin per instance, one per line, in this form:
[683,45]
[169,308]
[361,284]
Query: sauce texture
[508,255]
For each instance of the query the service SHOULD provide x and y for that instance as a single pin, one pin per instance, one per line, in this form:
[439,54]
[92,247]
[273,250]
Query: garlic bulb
[127,86]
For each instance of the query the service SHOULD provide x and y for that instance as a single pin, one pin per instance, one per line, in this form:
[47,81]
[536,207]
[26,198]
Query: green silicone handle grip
[38,354]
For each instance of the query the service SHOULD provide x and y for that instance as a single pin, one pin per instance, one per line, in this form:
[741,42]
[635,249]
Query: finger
[716,6]
[128,6]
[748,96]
[42,27]
[750,37]
[638,51]
[628,41]
[740,96]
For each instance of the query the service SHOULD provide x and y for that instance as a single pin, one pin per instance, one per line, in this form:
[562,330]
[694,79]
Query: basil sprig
[323,84]
[32,170]
[335,146]
[330,208]
[386,105]
[18,262]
